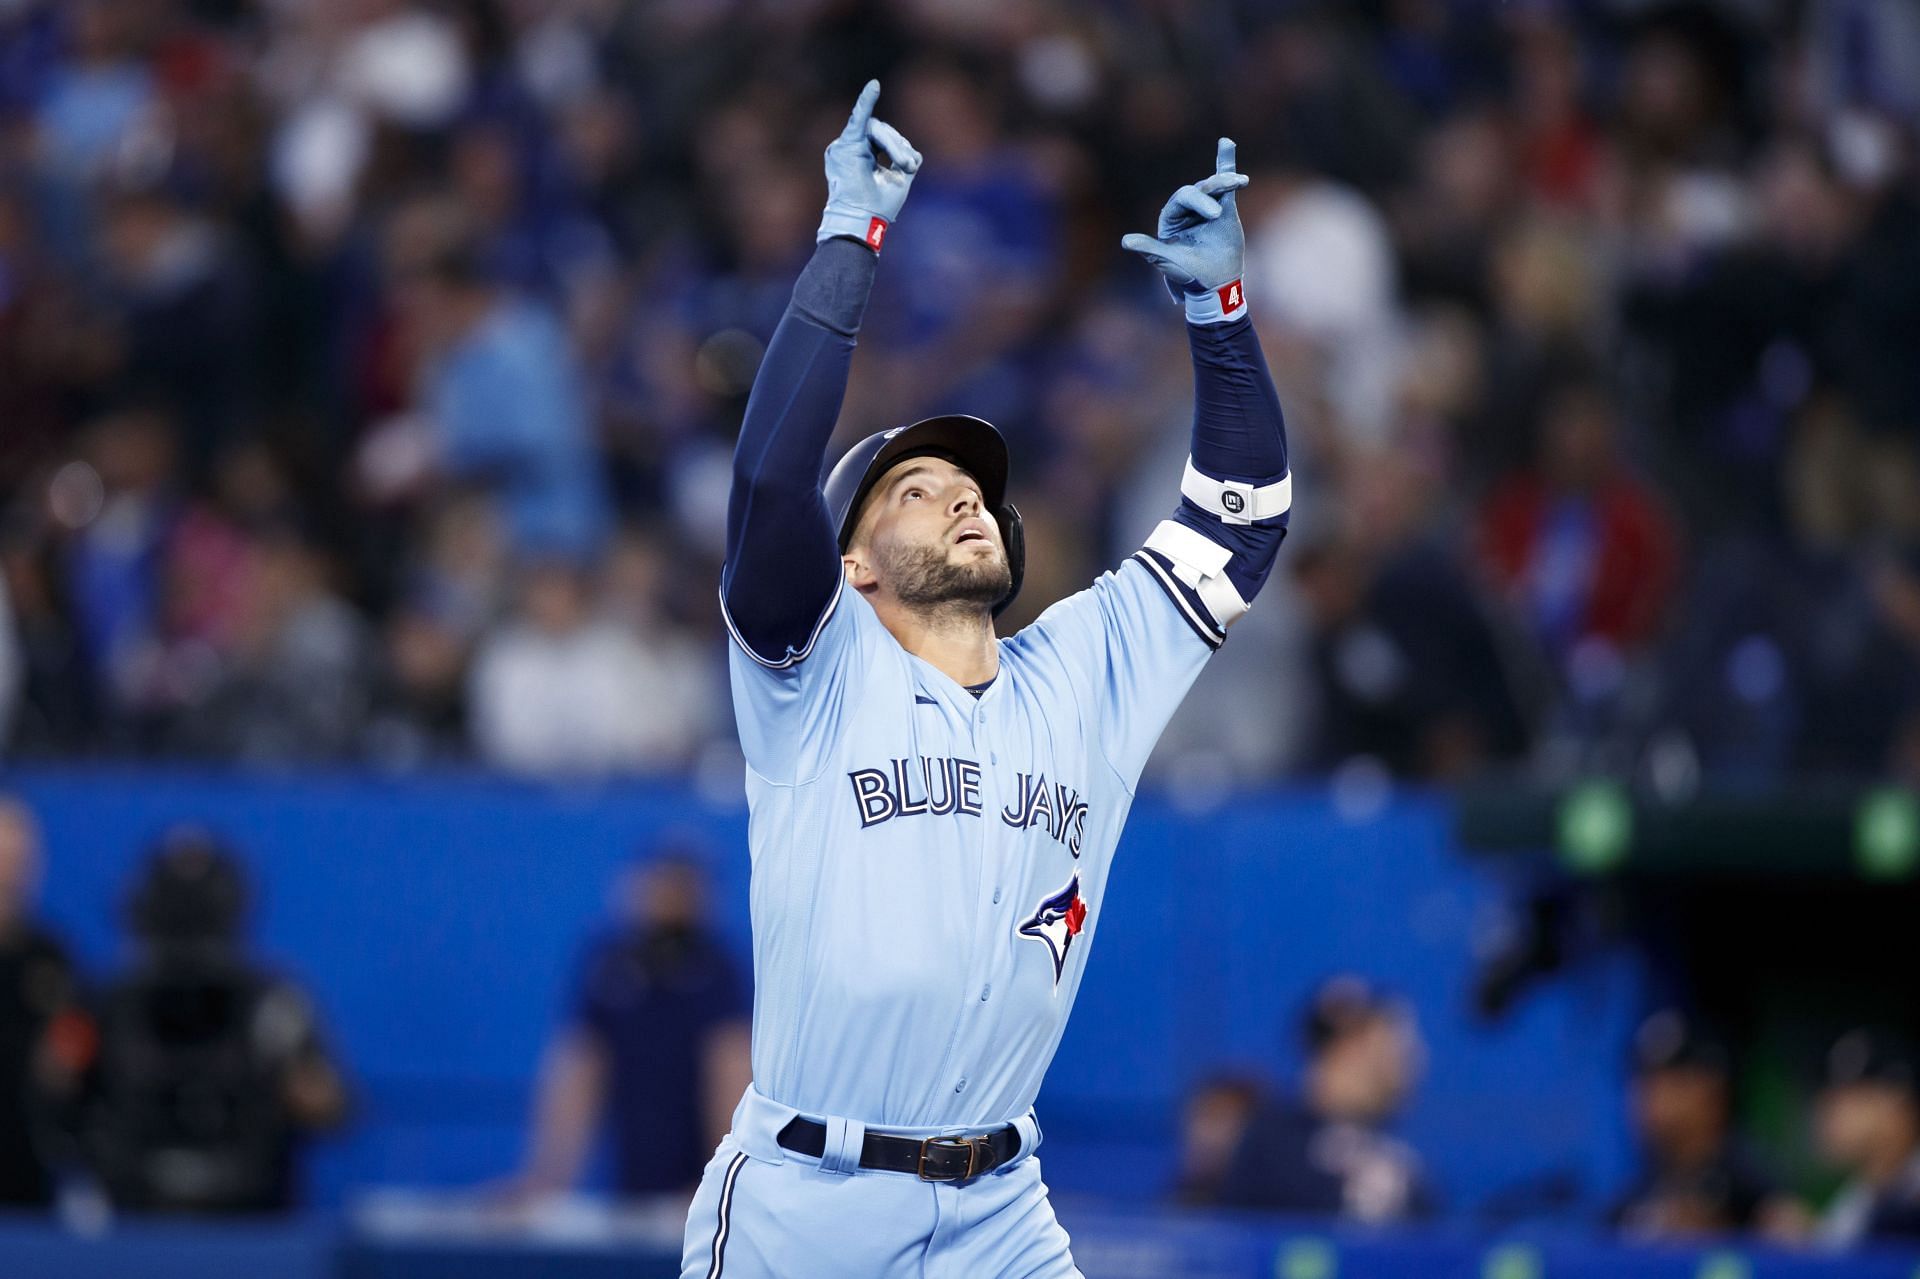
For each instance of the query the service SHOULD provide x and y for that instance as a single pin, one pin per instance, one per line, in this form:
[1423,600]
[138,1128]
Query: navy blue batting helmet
[970,443]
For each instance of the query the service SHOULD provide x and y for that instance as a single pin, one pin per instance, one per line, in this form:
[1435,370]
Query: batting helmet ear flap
[1013,532]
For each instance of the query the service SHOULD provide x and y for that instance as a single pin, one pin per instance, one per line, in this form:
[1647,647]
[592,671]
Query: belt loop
[845,1137]
[1029,1129]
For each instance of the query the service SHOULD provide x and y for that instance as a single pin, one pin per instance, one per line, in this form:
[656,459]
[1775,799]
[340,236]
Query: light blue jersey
[928,867]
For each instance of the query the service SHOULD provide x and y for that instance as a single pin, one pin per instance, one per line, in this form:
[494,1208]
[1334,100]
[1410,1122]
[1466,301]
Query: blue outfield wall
[436,922]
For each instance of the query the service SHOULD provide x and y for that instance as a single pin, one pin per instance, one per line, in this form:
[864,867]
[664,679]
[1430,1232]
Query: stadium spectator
[212,1072]
[1409,667]
[55,712]
[1325,1150]
[1796,659]
[43,353]
[655,1046]
[531,237]
[1561,145]
[40,1032]
[295,682]
[945,331]
[1867,1124]
[12,666]
[419,711]
[1697,1178]
[504,402]
[122,512]
[92,95]
[178,313]
[562,688]
[1213,1122]
[1321,252]
[1582,548]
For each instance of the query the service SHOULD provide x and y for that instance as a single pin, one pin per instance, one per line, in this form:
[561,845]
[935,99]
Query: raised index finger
[856,130]
[1223,157]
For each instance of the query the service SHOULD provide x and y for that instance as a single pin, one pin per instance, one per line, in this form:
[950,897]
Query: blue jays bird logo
[1056,923]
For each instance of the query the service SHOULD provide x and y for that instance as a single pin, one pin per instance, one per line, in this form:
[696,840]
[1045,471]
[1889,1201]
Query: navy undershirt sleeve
[1238,430]
[1239,433]
[782,569]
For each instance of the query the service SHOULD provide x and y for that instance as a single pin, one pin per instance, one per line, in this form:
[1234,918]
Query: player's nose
[964,501]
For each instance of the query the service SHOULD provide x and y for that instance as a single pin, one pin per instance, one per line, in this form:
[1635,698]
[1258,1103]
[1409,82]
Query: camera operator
[211,1069]
[42,1037]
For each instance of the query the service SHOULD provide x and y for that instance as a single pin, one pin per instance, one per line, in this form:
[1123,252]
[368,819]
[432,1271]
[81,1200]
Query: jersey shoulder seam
[771,781]
[854,698]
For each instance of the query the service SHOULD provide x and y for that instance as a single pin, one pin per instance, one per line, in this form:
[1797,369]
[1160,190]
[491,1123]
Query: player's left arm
[1214,554]
[1136,655]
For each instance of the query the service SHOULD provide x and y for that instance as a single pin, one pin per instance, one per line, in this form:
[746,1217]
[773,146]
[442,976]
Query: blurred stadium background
[1539,858]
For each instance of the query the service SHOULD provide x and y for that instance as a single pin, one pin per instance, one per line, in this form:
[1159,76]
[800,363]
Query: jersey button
[985,991]
[996,897]
[961,1086]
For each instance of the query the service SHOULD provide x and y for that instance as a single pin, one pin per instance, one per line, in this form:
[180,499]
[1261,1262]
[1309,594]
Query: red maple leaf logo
[1076,917]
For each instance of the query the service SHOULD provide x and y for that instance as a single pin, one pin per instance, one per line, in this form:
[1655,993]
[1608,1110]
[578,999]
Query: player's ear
[859,573]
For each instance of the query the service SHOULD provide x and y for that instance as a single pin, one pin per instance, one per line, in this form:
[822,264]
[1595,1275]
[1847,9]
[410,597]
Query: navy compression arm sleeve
[1236,495]
[782,570]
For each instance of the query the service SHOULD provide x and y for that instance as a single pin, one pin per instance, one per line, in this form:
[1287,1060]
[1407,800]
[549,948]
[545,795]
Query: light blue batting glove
[1201,249]
[864,195]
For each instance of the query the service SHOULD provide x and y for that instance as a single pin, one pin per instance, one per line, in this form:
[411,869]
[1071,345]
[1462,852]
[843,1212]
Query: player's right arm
[782,575]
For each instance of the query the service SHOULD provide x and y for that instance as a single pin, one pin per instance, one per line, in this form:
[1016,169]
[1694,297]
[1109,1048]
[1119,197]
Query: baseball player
[933,809]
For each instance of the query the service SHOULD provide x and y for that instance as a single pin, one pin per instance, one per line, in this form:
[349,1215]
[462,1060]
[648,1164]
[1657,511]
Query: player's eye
[914,493]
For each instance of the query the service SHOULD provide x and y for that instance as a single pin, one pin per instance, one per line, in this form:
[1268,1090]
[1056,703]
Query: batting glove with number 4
[1201,248]
[864,195]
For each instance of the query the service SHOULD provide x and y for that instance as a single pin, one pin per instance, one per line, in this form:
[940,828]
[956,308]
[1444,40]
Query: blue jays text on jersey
[938,787]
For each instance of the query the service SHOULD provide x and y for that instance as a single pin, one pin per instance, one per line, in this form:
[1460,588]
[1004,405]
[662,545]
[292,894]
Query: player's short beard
[925,580]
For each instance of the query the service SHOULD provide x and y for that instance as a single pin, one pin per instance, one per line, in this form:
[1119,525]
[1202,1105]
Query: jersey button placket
[990,805]
[995,850]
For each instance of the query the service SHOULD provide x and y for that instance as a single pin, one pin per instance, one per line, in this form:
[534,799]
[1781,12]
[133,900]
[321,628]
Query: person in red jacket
[1582,547]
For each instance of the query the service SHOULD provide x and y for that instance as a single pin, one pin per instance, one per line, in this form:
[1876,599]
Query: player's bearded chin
[924,576]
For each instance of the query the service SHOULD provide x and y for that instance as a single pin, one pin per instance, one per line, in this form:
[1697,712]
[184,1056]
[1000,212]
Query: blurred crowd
[369,369]
[1327,1147]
